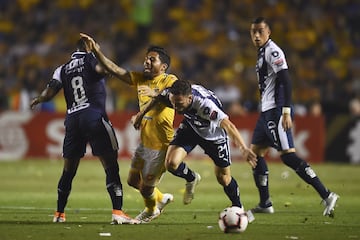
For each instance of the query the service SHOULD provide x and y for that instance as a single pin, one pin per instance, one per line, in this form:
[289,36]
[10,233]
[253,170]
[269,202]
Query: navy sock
[303,169]
[233,193]
[184,172]
[114,187]
[62,200]
[261,177]
[64,189]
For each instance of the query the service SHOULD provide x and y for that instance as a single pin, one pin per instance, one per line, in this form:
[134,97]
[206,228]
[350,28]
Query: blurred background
[209,43]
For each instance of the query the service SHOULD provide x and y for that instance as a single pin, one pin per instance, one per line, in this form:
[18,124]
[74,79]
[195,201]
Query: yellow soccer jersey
[157,125]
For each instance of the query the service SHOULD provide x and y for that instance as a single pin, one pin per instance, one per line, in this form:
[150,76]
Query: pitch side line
[98,209]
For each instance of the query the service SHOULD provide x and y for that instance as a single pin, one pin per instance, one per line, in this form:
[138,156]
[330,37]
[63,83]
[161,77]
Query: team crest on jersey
[275,54]
[206,111]
[213,115]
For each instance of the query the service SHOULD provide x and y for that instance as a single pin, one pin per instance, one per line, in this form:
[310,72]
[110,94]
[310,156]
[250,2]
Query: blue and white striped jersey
[271,60]
[205,114]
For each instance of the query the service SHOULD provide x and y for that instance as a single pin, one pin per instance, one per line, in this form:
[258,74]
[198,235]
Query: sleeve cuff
[286,110]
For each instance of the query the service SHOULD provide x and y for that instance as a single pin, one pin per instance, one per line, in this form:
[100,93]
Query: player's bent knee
[292,160]
[134,178]
[223,180]
[171,165]
[133,183]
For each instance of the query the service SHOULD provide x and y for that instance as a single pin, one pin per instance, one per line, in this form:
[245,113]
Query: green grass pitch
[28,200]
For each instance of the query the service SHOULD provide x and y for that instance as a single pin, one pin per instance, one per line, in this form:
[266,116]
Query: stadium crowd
[209,42]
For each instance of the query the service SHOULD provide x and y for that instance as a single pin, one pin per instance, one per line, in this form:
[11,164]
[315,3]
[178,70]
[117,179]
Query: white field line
[97,209]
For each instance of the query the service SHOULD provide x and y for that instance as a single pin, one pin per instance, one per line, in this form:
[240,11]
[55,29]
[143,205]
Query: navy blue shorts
[269,132]
[91,127]
[218,151]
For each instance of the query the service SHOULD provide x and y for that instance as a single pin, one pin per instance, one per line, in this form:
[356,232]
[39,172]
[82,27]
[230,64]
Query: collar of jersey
[77,53]
[265,45]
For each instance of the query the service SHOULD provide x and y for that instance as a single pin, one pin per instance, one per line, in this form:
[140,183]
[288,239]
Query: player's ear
[269,30]
[164,67]
[190,98]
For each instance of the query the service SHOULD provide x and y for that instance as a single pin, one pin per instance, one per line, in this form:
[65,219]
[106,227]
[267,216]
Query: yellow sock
[150,202]
[159,195]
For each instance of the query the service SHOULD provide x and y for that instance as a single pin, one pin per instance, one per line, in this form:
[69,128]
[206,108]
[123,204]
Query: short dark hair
[261,20]
[181,87]
[163,55]
[81,45]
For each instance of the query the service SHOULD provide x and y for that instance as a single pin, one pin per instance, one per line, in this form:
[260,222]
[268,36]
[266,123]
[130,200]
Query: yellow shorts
[150,163]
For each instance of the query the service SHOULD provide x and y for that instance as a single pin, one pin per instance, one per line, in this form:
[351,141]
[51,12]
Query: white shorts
[150,163]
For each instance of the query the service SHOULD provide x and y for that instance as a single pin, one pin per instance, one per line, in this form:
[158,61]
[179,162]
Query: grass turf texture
[28,200]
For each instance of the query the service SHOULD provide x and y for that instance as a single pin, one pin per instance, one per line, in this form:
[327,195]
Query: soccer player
[147,164]
[207,125]
[83,84]
[273,128]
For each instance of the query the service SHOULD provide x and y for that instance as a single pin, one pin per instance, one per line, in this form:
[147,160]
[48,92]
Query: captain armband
[286,110]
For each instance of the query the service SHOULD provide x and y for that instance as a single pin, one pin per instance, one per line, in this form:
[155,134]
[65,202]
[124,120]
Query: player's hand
[34,102]
[136,120]
[90,42]
[286,122]
[146,90]
[250,157]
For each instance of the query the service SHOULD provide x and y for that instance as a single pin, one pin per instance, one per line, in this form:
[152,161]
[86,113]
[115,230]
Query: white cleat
[250,216]
[190,189]
[167,198]
[145,216]
[259,209]
[330,203]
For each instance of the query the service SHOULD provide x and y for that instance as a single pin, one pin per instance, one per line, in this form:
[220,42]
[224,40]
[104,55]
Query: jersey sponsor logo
[76,65]
[279,62]
[78,107]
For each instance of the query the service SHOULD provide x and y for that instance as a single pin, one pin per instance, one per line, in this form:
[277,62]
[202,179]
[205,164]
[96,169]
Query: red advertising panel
[40,135]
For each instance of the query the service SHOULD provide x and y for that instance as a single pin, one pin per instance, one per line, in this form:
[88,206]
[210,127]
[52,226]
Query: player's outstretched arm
[109,65]
[236,137]
[47,94]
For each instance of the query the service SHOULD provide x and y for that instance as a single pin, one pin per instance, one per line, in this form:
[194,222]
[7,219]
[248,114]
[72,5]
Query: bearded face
[153,65]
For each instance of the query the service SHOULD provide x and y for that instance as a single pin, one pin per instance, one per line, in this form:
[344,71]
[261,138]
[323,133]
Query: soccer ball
[233,220]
